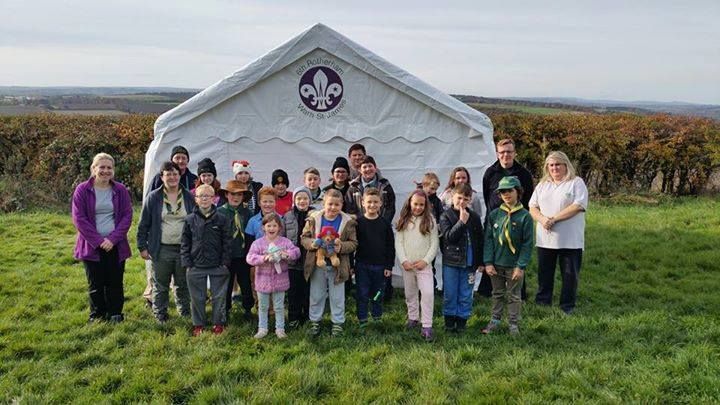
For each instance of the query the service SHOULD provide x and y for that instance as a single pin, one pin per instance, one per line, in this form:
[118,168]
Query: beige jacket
[348,238]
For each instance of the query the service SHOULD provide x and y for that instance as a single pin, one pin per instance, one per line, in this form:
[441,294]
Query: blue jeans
[458,283]
[370,288]
[278,300]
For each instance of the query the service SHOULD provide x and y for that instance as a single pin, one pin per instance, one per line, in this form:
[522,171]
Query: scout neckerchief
[168,204]
[238,224]
[506,225]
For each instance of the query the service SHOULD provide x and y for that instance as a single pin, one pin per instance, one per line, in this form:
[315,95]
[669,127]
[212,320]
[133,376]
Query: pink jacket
[267,280]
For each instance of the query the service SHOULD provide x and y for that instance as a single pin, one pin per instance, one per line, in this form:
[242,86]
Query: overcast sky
[623,50]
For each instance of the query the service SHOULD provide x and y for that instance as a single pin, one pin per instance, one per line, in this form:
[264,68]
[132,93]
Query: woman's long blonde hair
[560,157]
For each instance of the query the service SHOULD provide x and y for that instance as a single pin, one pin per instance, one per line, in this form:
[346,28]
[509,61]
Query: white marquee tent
[306,101]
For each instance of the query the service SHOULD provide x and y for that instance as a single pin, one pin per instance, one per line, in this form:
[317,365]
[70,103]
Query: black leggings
[105,284]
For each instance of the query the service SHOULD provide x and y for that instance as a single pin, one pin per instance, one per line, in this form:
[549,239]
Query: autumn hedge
[42,157]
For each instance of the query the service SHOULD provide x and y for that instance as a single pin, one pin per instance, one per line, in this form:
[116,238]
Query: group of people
[260,243]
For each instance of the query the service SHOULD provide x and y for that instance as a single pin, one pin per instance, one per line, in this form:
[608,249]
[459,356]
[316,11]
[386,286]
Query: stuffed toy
[326,247]
[275,253]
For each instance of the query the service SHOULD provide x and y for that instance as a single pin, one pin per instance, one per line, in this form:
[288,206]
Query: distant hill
[90,91]
[676,107]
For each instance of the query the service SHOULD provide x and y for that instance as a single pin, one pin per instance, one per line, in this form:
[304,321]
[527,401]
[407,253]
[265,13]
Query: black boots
[455,324]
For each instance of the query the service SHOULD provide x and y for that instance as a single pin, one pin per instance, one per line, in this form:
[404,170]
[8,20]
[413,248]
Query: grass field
[646,330]
[521,108]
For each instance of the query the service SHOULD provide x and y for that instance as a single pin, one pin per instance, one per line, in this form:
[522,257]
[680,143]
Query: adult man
[180,156]
[504,166]
[356,155]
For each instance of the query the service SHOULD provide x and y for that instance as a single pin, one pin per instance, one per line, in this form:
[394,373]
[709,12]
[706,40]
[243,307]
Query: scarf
[168,204]
[237,220]
[505,231]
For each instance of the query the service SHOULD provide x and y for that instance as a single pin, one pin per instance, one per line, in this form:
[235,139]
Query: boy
[311,178]
[284,198]
[237,195]
[369,177]
[328,280]
[267,197]
[430,185]
[374,258]
[206,251]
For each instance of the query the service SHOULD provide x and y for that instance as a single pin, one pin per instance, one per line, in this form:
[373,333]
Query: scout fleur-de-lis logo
[321,89]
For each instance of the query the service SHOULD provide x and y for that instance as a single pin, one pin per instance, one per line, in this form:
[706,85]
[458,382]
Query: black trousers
[570,261]
[240,269]
[298,297]
[105,284]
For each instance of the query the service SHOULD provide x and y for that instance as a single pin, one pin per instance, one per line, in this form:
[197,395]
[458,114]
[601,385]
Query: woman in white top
[558,206]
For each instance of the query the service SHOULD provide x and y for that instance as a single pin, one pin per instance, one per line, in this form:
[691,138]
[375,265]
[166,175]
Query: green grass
[521,108]
[646,330]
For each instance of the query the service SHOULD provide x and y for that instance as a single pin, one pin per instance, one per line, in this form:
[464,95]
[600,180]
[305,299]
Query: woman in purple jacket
[102,213]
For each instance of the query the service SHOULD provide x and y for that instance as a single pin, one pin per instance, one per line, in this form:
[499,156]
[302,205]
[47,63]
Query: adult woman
[558,206]
[158,240]
[102,214]
[460,175]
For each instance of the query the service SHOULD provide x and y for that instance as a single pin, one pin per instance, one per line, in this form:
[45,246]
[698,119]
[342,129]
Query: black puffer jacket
[206,241]
[453,238]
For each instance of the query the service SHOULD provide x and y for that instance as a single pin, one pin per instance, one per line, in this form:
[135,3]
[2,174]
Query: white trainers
[261,333]
[280,333]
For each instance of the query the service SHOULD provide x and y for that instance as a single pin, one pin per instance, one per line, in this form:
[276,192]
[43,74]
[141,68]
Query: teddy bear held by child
[326,247]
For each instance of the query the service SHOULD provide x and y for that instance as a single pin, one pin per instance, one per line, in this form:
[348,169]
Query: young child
[328,280]
[270,255]
[299,292]
[267,197]
[243,173]
[311,178]
[374,258]
[206,251]
[430,184]
[462,247]
[208,175]
[237,194]
[416,246]
[284,198]
[508,248]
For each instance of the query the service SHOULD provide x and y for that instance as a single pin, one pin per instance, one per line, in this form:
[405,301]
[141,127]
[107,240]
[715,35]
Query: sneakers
[412,324]
[161,318]
[280,333]
[292,325]
[514,330]
[427,334]
[314,329]
[218,329]
[261,333]
[337,330]
[493,325]
[197,330]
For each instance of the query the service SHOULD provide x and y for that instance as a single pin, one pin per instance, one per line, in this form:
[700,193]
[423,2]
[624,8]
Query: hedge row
[42,157]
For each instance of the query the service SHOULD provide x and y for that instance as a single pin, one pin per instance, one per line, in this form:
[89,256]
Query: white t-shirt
[550,199]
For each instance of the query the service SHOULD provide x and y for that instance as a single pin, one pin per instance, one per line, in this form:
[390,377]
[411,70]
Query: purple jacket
[267,280]
[88,242]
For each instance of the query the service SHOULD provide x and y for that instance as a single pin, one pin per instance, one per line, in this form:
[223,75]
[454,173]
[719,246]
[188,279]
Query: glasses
[204,197]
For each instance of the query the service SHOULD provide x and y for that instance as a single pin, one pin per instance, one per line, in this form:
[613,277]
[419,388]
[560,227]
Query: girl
[208,175]
[299,292]
[462,238]
[461,175]
[508,248]
[270,255]
[416,245]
